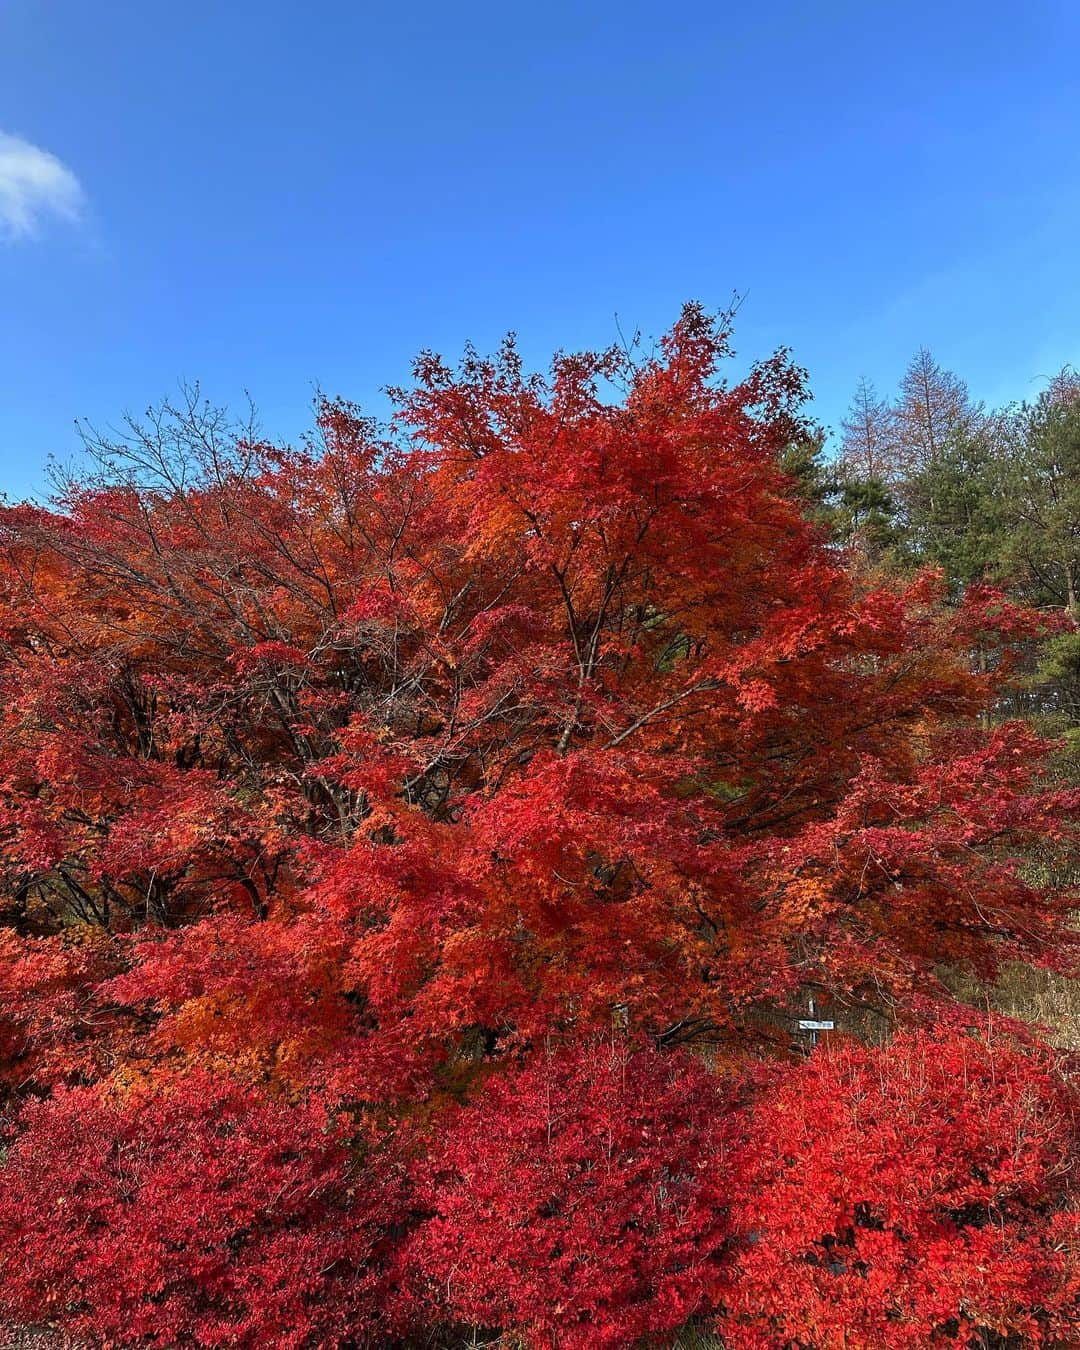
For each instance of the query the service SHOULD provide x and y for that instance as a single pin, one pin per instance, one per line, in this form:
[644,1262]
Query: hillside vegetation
[418,848]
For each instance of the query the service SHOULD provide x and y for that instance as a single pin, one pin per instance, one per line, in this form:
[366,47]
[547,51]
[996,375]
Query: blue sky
[275,196]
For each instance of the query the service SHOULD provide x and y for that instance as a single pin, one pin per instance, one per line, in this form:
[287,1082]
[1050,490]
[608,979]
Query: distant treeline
[990,496]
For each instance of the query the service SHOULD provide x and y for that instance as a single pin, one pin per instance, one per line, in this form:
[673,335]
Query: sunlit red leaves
[901,1196]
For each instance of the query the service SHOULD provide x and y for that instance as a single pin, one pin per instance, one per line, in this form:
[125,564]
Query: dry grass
[31,1339]
[696,1338]
[1037,996]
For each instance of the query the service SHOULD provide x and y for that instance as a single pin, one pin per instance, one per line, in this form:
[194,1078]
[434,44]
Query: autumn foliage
[412,849]
[908,1197]
[196,1210]
[591,1188]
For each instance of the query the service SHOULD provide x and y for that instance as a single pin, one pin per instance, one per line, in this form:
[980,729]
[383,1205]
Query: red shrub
[901,1196]
[580,1200]
[205,1215]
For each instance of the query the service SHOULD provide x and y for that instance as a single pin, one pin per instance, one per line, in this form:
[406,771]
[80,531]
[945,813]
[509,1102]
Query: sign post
[813,1025]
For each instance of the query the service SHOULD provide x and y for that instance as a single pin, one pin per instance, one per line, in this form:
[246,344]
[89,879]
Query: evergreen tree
[1041,497]
[955,513]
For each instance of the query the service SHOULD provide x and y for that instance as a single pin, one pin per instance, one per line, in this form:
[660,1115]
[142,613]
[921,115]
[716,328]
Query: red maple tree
[339,782]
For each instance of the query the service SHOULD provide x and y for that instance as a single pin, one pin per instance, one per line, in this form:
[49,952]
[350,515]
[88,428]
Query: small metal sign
[813,1024]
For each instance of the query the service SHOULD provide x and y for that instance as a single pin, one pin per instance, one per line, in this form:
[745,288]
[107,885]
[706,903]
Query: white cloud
[34,184]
